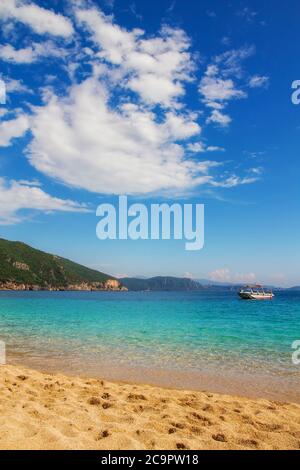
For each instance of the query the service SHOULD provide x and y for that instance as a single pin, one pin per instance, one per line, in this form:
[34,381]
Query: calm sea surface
[202,340]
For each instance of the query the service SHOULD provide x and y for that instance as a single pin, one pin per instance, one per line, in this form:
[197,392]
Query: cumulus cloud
[215,89]
[122,125]
[225,275]
[16,196]
[155,68]
[219,118]
[82,142]
[247,13]
[41,20]
[13,128]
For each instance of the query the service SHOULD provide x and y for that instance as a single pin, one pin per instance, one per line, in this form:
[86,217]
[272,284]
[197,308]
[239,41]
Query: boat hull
[253,296]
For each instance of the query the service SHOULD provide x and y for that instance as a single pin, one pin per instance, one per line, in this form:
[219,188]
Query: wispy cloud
[218,87]
[171,7]
[15,86]
[234,180]
[259,81]
[247,13]
[132,8]
[211,14]
[16,196]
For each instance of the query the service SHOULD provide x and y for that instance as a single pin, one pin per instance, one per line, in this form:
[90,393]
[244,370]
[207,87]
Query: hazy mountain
[161,283]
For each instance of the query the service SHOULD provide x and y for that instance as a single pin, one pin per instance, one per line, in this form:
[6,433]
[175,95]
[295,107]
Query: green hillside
[20,263]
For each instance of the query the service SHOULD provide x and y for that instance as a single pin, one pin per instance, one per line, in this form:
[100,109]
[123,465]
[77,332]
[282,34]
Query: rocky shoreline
[109,285]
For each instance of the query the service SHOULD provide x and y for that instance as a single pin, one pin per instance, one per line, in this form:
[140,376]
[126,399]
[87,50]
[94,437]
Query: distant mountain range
[161,283]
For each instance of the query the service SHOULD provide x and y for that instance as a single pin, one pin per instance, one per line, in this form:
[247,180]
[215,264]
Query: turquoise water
[194,337]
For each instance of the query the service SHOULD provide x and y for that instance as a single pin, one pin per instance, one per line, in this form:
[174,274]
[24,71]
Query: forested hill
[22,264]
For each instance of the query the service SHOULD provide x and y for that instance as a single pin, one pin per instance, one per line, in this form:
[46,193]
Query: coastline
[111,285]
[221,382]
[55,411]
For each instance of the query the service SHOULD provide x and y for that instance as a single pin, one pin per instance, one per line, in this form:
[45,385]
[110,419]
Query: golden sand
[52,411]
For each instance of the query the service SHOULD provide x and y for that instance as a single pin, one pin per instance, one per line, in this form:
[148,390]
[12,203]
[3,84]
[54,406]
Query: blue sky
[168,101]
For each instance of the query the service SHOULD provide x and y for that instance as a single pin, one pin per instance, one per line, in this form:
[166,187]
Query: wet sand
[55,411]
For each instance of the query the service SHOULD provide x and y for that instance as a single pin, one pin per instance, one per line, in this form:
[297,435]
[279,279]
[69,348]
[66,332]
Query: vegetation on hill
[22,264]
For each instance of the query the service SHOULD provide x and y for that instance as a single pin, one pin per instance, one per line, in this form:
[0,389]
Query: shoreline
[227,382]
[56,411]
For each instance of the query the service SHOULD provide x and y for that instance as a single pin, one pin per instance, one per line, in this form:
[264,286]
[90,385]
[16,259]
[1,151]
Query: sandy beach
[54,411]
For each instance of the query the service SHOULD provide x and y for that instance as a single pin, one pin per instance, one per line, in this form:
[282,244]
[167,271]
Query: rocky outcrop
[21,266]
[109,285]
[112,284]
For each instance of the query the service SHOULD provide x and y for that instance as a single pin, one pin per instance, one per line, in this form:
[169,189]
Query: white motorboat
[256,292]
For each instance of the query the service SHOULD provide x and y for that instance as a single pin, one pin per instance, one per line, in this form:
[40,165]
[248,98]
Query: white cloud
[200,147]
[13,128]
[197,147]
[220,118]
[106,134]
[16,196]
[230,62]
[224,275]
[155,68]
[215,148]
[258,81]
[220,275]
[216,89]
[30,54]
[256,170]
[39,19]
[16,86]
[21,56]
[233,181]
[217,86]
[80,141]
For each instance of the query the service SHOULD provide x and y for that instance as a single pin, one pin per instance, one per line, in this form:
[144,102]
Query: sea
[206,340]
